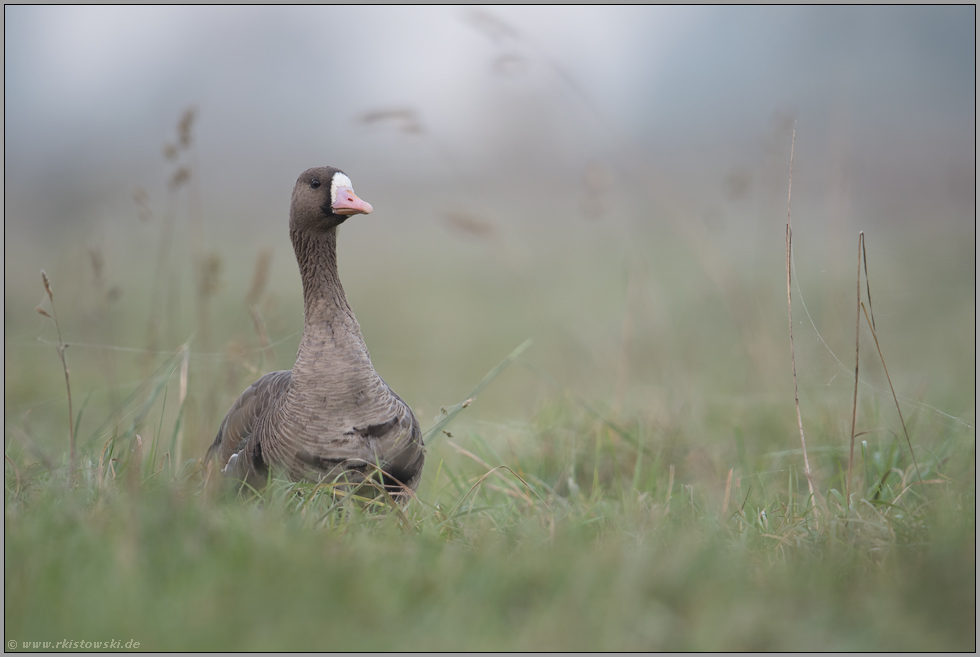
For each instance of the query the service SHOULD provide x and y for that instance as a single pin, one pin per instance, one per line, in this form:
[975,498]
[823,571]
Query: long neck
[331,334]
[323,295]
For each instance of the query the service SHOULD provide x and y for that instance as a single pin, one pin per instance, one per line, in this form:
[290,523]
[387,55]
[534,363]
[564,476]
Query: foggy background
[505,106]
[546,153]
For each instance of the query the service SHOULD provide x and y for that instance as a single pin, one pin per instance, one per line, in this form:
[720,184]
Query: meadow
[613,450]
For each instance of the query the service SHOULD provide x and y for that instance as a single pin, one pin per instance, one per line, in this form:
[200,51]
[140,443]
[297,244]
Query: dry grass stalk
[64,365]
[870,316]
[867,282]
[857,366]
[184,367]
[483,463]
[165,284]
[102,465]
[483,478]
[728,492]
[789,301]
[894,396]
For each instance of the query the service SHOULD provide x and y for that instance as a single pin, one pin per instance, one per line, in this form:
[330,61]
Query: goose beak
[347,203]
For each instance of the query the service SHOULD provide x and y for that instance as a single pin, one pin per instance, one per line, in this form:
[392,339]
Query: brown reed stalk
[857,364]
[789,302]
[867,285]
[880,355]
[64,365]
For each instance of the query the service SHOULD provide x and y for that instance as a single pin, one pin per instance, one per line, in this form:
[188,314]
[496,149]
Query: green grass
[653,496]
[622,563]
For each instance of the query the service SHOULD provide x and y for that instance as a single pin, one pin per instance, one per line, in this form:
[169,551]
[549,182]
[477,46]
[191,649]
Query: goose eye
[315,183]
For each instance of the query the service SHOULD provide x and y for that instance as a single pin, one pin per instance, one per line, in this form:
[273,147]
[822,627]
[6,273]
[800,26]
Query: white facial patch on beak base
[343,200]
[339,180]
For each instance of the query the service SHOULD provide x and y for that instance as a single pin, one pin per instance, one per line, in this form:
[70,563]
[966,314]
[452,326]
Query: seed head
[47,285]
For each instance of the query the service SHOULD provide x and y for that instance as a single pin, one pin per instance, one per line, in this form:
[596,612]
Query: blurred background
[609,182]
[605,186]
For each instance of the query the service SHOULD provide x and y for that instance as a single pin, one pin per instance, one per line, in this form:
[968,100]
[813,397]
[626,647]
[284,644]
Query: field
[622,467]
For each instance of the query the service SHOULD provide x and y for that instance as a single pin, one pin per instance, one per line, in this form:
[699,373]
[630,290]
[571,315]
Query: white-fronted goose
[330,417]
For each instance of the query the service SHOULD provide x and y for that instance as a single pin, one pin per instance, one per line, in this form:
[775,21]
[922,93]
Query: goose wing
[402,443]
[235,452]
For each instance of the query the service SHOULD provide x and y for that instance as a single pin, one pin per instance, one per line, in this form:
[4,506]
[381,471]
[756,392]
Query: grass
[632,479]
[623,560]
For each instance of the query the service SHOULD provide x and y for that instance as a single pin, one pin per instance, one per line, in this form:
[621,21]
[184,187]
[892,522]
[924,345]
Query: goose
[331,417]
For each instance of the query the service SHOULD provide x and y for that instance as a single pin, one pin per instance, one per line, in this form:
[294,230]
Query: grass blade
[453,411]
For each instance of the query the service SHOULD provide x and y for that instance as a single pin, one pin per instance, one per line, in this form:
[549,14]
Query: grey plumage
[331,415]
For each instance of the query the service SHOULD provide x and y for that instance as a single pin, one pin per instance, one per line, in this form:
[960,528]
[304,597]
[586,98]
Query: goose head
[324,198]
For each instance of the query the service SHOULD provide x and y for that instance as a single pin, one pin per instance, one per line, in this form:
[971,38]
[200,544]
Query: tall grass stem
[789,302]
[857,365]
[874,334]
[64,366]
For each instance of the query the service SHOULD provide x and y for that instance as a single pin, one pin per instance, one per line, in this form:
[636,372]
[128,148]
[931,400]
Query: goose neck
[330,331]
[323,294]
